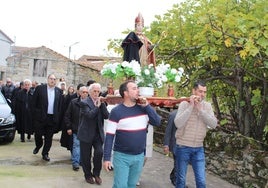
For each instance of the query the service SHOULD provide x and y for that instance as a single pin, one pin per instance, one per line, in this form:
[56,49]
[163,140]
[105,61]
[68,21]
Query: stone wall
[237,159]
[21,66]
[80,74]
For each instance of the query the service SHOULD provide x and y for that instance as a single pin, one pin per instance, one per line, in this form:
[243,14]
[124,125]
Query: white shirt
[50,98]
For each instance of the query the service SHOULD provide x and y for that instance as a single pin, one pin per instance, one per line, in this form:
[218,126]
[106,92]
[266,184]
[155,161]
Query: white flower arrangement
[166,74]
[148,76]
[109,70]
[121,70]
[129,69]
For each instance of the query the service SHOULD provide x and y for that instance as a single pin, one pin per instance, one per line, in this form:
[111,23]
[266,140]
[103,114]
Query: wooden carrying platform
[166,102]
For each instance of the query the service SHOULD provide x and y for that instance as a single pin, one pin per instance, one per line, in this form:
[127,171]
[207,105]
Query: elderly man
[91,133]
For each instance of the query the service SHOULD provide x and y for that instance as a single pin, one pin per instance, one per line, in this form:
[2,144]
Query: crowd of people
[57,108]
[19,97]
[79,115]
[120,137]
[120,145]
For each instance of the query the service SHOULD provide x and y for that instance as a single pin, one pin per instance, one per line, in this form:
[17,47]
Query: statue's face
[139,27]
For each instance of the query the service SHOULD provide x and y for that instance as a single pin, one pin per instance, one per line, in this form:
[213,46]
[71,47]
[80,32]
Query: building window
[40,67]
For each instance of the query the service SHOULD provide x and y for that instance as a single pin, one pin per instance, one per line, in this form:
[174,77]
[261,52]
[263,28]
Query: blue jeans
[173,173]
[194,156]
[127,169]
[76,151]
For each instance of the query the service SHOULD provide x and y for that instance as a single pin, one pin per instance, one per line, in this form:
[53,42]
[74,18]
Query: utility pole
[70,49]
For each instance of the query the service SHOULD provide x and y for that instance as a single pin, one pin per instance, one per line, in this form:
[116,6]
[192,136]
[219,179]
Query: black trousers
[47,130]
[86,153]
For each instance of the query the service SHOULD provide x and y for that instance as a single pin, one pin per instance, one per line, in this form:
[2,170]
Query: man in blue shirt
[127,124]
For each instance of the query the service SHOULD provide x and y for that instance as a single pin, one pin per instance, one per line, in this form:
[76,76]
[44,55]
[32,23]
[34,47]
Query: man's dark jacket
[24,112]
[65,139]
[169,139]
[7,91]
[40,106]
[91,119]
[71,117]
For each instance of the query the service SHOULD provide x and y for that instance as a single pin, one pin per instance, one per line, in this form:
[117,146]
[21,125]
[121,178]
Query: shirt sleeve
[208,116]
[108,145]
[154,118]
[110,135]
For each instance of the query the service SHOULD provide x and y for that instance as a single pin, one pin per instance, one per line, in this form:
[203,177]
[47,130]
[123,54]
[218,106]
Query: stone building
[37,63]
[89,67]
[5,51]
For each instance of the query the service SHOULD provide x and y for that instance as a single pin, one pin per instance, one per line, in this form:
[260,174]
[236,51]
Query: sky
[84,26]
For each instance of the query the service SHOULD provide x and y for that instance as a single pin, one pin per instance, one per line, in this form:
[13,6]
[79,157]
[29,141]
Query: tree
[224,42]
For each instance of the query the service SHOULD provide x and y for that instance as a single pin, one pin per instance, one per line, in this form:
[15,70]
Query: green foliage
[109,70]
[223,122]
[225,43]
[256,98]
[125,72]
[242,103]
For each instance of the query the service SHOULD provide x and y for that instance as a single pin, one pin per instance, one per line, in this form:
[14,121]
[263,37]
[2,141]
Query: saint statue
[137,46]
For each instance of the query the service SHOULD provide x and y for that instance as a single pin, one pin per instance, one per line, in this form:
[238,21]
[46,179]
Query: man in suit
[47,107]
[91,133]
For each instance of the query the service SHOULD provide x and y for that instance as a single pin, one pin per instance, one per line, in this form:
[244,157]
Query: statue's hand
[151,47]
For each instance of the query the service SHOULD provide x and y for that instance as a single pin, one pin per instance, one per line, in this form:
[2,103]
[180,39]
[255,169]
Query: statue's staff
[163,35]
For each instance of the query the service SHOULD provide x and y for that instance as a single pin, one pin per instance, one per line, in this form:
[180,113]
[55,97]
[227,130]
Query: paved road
[19,168]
